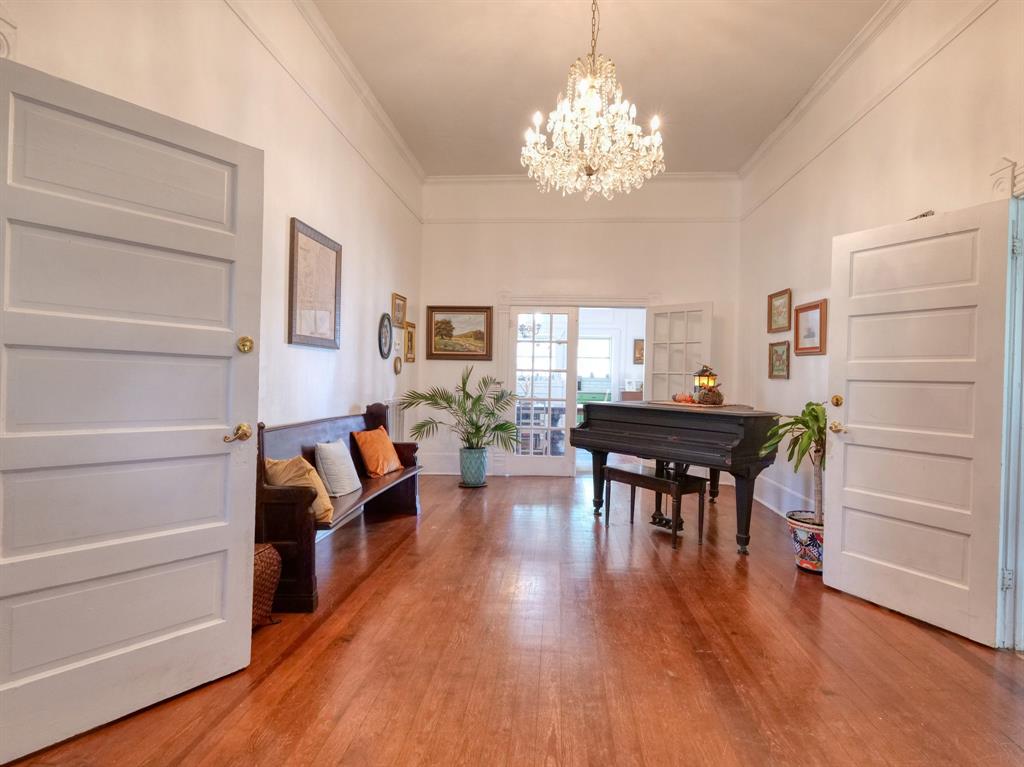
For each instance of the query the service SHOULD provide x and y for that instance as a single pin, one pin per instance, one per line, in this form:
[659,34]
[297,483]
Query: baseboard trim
[777,497]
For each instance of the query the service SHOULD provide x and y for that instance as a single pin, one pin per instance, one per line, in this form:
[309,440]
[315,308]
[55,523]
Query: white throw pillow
[334,464]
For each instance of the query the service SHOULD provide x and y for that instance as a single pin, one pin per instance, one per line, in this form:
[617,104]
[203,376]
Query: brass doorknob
[837,400]
[245,344]
[242,432]
[836,428]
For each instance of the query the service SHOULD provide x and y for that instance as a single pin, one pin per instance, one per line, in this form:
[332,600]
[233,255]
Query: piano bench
[674,485]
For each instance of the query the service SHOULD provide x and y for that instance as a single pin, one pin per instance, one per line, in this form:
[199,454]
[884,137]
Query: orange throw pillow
[298,472]
[378,451]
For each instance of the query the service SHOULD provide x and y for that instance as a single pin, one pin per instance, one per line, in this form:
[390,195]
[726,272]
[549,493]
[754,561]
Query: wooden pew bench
[283,514]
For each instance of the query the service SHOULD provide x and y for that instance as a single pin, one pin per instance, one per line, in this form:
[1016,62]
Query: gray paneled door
[130,248]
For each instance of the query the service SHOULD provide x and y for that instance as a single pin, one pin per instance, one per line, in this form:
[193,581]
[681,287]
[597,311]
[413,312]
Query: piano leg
[600,460]
[713,477]
[744,503]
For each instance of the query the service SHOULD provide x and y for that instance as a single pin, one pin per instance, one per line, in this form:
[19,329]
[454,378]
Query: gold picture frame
[460,333]
[778,360]
[638,351]
[780,311]
[410,341]
[810,328]
[399,310]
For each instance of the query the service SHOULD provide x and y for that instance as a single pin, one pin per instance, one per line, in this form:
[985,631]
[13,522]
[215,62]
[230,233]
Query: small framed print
[399,309]
[778,359]
[638,351]
[398,341]
[779,306]
[810,328]
[410,341]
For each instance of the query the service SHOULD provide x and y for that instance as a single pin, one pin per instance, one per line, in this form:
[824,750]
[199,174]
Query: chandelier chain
[595,27]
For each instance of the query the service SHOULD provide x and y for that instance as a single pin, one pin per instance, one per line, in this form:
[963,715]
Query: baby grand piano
[721,439]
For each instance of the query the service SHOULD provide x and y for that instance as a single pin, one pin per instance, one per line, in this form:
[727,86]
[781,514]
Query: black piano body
[721,439]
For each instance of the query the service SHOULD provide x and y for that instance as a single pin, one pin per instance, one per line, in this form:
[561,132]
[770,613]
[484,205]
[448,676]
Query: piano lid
[669,405]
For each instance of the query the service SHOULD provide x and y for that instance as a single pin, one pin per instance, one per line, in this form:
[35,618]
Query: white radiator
[396,421]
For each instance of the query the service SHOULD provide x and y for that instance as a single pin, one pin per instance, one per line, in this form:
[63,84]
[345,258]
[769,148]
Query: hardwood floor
[505,627]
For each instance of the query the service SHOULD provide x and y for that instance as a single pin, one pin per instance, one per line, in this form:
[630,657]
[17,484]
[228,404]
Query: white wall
[499,241]
[916,121]
[257,73]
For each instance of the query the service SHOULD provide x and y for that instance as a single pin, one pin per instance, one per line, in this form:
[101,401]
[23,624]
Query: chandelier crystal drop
[595,145]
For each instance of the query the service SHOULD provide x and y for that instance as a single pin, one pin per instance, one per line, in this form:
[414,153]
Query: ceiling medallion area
[592,144]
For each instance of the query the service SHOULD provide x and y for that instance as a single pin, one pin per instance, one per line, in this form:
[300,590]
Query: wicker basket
[266,574]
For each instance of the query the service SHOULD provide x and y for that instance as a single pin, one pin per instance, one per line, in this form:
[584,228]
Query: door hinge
[1006,580]
[1017,248]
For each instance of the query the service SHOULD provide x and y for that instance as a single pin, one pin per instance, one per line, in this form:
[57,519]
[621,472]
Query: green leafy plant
[808,438]
[476,415]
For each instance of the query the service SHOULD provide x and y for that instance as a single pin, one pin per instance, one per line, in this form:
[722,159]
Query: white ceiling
[460,79]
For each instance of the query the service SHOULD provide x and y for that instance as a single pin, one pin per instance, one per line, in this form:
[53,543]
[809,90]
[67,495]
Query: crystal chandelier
[595,145]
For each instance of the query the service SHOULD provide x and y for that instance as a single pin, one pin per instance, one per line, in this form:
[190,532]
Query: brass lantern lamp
[705,388]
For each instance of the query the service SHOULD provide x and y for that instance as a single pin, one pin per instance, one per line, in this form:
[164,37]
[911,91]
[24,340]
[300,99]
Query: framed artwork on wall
[410,341]
[779,306]
[638,351]
[810,327]
[399,310]
[314,288]
[778,359]
[460,332]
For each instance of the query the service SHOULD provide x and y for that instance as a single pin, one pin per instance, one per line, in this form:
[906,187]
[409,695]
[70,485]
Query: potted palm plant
[807,433]
[476,417]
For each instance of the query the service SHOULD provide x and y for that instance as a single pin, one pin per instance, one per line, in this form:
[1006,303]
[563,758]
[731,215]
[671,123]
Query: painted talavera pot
[808,540]
[473,463]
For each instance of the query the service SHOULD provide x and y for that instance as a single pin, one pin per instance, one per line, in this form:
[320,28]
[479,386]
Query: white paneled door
[543,351]
[913,507]
[130,249]
[678,342]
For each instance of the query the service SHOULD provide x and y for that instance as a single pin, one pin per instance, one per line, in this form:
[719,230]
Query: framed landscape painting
[460,332]
[810,327]
[778,359]
[314,291]
[779,305]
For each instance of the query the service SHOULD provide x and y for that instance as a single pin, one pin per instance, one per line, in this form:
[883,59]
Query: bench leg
[676,502]
[700,518]
[632,502]
[607,502]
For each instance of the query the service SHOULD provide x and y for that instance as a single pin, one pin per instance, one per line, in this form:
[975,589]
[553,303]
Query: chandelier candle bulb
[595,145]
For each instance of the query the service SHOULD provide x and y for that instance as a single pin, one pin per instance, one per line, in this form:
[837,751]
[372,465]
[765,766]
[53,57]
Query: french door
[543,359]
[130,248]
[678,343]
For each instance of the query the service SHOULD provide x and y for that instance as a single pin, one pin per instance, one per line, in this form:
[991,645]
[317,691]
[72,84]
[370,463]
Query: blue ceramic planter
[473,462]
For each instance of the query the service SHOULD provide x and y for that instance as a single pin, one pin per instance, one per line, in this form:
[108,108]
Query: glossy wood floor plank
[507,627]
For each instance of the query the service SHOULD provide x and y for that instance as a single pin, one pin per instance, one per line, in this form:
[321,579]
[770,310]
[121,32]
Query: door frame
[503,351]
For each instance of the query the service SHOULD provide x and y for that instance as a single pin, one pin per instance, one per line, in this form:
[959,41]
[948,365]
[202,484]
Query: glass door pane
[544,358]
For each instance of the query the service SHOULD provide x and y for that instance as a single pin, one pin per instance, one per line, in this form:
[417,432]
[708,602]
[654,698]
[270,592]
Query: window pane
[560,327]
[558,416]
[557,442]
[558,386]
[524,355]
[525,442]
[541,385]
[542,326]
[559,356]
[591,368]
[542,356]
[523,388]
[524,413]
[524,326]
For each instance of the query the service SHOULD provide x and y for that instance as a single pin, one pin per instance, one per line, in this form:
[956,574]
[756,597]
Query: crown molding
[588,221]
[327,38]
[883,93]
[883,17]
[522,178]
[254,29]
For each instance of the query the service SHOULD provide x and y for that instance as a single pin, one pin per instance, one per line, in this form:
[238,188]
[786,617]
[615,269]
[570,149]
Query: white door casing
[678,342]
[913,504]
[130,248]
